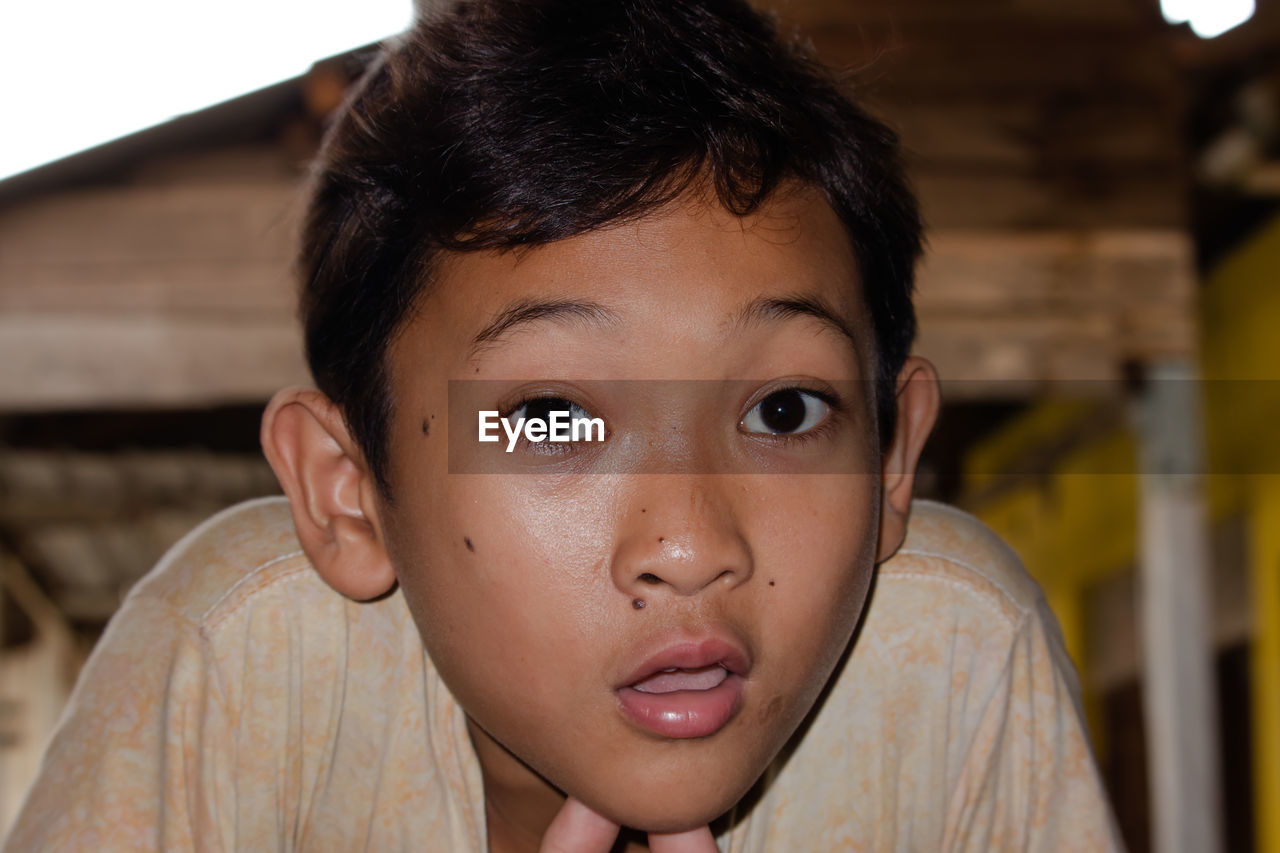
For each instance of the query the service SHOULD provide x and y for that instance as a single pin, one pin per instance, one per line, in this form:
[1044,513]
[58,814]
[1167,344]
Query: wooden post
[1179,695]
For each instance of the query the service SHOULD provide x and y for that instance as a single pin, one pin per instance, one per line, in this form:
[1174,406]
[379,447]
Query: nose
[680,536]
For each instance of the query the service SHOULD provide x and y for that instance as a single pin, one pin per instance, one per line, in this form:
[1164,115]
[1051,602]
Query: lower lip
[684,713]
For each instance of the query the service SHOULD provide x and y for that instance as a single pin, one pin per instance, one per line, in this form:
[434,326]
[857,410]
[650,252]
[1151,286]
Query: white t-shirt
[237,703]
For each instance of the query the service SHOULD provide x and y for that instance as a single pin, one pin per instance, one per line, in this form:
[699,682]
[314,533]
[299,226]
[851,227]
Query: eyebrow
[526,311]
[773,309]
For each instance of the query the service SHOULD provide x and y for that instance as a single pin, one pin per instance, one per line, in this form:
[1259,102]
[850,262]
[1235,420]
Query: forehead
[688,271]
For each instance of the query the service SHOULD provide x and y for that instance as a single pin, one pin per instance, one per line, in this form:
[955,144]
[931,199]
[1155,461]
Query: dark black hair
[496,124]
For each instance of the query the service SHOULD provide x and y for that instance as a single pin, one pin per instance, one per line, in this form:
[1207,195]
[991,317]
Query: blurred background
[1101,297]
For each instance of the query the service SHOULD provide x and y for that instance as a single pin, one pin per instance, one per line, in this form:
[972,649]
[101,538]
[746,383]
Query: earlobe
[331,494]
[917,403]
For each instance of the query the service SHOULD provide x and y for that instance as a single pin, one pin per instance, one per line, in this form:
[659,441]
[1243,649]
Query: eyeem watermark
[558,427]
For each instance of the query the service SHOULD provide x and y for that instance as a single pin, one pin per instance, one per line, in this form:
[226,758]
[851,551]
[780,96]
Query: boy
[657,215]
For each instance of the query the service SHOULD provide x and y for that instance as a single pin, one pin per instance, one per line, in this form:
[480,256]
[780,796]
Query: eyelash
[538,398]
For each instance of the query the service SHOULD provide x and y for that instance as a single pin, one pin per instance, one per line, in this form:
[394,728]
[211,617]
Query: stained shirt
[237,703]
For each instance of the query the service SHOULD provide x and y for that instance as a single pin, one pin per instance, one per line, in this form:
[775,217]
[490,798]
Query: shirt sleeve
[1029,781]
[128,767]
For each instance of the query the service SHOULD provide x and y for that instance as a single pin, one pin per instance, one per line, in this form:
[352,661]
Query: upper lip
[690,651]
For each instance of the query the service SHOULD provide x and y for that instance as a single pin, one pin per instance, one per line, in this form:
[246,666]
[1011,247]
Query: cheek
[500,572]
[817,552]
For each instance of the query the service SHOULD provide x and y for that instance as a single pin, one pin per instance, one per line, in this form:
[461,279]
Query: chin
[673,806]
[674,818]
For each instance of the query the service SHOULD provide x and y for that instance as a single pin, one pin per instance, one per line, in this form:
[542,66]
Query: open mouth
[672,679]
[686,691]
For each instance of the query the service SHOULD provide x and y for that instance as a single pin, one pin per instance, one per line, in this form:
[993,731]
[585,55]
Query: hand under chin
[578,829]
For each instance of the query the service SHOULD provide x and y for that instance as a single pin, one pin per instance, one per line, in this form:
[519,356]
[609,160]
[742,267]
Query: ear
[331,492]
[917,399]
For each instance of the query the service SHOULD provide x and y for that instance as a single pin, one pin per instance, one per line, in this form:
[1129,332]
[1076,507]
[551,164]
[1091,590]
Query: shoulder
[228,560]
[958,556]
[955,635]
[231,686]
[241,592]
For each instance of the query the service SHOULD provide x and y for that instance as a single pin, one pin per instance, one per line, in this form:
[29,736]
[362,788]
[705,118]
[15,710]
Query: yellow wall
[1241,326]
[1077,524]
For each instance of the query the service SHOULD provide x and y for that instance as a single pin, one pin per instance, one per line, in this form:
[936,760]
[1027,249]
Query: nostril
[650,578]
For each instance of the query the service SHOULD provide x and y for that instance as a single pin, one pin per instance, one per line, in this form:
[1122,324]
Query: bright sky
[1208,18]
[78,73]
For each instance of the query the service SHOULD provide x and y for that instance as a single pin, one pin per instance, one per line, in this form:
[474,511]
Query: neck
[519,804]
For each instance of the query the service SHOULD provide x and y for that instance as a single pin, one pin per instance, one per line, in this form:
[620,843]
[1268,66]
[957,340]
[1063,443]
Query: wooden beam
[132,286]
[67,361]
[1045,133]
[1005,314]
[1000,59]
[44,488]
[199,222]
[999,198]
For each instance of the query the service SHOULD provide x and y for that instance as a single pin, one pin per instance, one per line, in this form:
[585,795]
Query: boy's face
[547,595]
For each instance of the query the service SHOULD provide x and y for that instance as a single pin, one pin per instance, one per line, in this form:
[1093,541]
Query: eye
[564,424]
[790,411]
[540,408]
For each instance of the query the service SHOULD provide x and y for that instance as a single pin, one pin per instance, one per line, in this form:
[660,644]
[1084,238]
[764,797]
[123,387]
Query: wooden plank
[943,59]
[1052,271]
[84,361]
[997,357]
[161,489]
[1043,132]
[237,164]
[202,222]
[1000,199]
[203,247]
[1020,311]
[1055,306]
[172,287]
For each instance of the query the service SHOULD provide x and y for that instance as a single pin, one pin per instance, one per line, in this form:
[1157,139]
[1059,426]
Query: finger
[698,840]
[577,829]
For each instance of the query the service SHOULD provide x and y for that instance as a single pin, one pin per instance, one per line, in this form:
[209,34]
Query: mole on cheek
[426,428]
[470,547]
[770,583]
